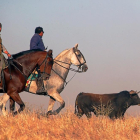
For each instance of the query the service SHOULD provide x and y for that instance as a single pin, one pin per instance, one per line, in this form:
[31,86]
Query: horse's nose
[84,68]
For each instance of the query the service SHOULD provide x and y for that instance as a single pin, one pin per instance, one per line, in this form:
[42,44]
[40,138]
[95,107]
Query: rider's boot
[40,86]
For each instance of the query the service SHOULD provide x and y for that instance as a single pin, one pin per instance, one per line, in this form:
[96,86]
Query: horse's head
[78,59]
[46,65]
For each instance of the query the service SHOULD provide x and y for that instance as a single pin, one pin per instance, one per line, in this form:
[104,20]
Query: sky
[107,32]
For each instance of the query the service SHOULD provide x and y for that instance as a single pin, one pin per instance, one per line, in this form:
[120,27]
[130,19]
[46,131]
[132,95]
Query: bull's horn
[132,92]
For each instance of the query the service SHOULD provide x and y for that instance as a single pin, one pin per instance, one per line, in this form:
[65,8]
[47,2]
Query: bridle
[79,66]
[10,62]
[44,74]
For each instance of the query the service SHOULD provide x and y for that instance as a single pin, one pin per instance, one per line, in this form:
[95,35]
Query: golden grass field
[66,126]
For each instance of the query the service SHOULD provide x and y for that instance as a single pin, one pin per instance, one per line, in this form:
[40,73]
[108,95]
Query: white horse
[56,83]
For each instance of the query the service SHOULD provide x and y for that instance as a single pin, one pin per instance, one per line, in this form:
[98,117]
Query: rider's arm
[5,51]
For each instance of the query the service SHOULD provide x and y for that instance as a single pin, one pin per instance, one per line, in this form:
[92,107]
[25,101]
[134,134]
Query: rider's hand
[10,57]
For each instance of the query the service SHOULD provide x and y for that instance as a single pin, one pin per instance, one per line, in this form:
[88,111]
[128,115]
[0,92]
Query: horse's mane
[24,52]
[61,54]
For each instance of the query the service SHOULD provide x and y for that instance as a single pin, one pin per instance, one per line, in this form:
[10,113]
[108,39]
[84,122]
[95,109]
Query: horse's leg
[12,105]
[50,107]
[57,97]
[51,103]
[14,97]
[3,100]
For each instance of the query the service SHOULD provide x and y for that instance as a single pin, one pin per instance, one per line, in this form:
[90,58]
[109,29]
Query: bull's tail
[76,103]
[75,107]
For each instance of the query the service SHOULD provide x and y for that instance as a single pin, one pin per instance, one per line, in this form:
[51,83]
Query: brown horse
[21,67]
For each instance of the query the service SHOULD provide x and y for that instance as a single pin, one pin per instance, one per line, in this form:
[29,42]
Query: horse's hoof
[54,113]
[49,113]
[14,113]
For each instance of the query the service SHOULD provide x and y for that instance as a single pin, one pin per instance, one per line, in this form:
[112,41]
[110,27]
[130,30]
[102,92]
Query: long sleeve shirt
[36,42]
[2,46]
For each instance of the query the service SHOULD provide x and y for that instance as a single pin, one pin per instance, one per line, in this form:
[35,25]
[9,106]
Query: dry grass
[28,126]
[103,110]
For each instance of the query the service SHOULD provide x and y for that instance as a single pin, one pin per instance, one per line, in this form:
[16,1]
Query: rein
[67,68]
[64,79]
[11,62]
[45,65]
[81,64]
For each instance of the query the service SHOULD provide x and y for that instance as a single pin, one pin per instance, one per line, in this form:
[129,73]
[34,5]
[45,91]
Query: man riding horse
[37,43]
[3,61]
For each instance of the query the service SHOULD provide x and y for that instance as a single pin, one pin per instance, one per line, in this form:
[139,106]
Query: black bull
[112,105]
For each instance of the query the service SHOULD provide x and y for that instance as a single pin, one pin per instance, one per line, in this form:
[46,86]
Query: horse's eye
[79,55]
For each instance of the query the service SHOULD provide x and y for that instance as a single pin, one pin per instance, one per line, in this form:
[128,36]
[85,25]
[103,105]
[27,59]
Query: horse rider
[36,42]
[3,61]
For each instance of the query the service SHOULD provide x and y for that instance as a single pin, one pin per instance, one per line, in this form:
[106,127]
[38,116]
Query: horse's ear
[50,52]
[76,46]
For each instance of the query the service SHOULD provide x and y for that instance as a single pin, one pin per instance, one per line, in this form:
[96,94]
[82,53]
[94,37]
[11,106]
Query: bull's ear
[50,53]
[76,46]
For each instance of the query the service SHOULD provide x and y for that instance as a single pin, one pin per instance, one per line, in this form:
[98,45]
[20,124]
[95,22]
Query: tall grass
[103,109]
[29,125]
